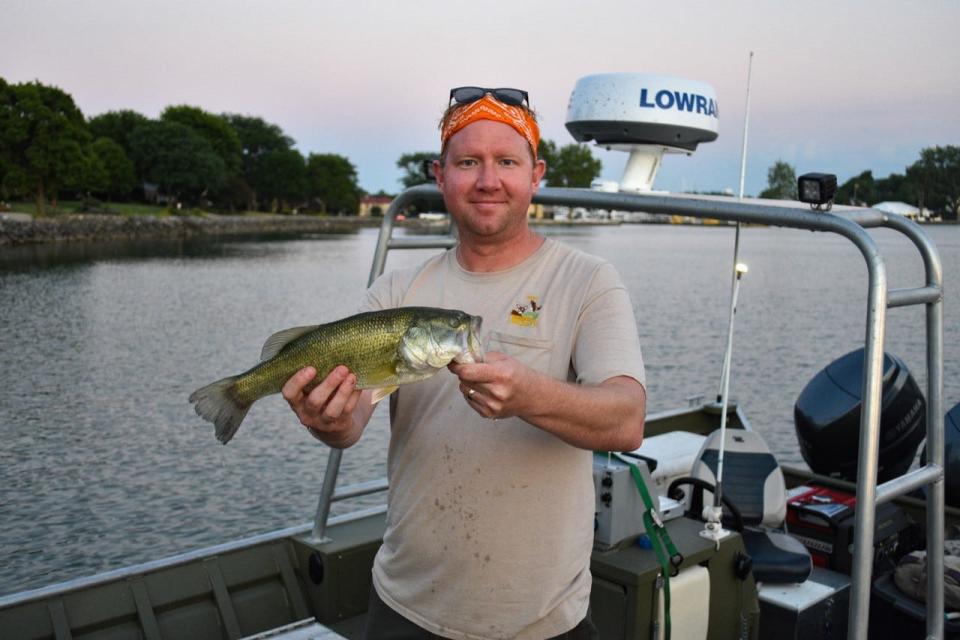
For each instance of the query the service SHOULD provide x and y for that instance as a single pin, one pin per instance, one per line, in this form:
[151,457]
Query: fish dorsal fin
[280,339]
[380,394]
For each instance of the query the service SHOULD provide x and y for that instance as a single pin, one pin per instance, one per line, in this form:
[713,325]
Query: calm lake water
[103,462]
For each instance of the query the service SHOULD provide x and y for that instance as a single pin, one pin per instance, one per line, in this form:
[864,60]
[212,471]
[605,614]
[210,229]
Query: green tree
[416,168]
[548,152]
[863,190]
[572,165]
[179,160]
[332,183]
[860,190]
[781,182]
[113,172]
[257,139]
[283,173]
[215,129]
[936,176]
[7,104]
[256,135]
[897,187]
[42,140]
[237,194]
[117,125]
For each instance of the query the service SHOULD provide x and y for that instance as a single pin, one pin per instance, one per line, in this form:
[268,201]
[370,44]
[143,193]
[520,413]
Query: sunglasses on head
[466,95]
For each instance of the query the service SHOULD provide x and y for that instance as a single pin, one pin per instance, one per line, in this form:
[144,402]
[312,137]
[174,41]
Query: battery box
[823,520]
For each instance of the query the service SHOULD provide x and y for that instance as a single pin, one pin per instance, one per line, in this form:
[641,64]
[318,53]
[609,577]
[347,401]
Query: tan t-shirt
[490,524]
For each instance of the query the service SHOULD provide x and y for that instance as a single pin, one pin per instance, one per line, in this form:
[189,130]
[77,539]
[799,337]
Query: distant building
[152,193]
[374,205]
[901,209]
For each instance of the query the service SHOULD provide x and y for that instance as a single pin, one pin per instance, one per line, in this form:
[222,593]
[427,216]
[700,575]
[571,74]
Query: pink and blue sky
[838,86]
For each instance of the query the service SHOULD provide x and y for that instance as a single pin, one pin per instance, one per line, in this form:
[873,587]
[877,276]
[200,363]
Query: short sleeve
[379,295]
[389,290]
[607,342]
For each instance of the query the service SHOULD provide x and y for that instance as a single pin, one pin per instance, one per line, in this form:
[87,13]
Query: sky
[837,86]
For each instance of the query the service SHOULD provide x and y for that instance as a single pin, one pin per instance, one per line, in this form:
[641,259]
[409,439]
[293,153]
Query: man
[490,520]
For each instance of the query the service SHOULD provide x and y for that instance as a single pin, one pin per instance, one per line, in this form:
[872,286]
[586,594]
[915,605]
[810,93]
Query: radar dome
[638,108]
[645,115]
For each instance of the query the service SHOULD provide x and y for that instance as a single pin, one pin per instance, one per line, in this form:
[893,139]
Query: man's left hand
[494,388]
[608,416]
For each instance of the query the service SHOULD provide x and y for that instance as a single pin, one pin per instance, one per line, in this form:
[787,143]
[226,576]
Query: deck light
[817,190]
[741,269]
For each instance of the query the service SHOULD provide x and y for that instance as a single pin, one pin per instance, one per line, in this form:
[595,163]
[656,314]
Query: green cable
[660,541]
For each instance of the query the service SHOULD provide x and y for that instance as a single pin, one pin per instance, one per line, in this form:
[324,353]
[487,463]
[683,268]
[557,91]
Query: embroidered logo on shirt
[526,315]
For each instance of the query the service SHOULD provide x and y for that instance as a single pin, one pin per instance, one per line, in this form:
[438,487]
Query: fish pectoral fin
[381,393]
[385,374]
[280,339]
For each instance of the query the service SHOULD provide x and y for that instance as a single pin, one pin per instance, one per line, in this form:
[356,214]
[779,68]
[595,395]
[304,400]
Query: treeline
[932,183]
[223,162]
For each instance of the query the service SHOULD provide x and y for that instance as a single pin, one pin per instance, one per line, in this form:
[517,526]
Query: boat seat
[753,481]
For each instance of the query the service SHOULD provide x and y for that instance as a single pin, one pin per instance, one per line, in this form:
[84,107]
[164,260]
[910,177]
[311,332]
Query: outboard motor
[827,418]
[951,457]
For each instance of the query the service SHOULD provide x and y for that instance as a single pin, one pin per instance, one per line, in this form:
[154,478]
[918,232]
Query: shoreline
[19,229]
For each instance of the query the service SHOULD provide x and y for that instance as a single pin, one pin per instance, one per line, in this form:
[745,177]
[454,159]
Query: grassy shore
[69,207]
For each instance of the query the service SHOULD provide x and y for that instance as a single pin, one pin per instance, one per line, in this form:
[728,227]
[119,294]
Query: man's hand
[495,388]
[327,410]
[608,416]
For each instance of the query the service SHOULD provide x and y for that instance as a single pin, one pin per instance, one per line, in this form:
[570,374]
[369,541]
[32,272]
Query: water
[104,464]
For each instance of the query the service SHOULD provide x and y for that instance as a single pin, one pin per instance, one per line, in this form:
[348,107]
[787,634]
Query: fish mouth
[474,344]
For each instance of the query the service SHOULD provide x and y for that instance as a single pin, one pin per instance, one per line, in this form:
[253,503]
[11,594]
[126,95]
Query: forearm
[605,417]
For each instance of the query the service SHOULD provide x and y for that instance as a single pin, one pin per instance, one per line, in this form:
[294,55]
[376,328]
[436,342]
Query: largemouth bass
[383,349]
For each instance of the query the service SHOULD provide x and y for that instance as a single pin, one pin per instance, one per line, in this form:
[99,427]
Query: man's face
[487,179]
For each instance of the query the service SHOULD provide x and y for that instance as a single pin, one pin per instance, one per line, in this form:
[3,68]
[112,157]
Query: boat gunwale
[86,582]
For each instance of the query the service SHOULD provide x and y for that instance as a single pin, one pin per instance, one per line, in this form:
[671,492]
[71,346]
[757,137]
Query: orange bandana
[489,108]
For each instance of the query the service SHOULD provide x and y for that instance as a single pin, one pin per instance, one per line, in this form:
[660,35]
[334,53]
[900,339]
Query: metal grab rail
[852,225]
[933,470]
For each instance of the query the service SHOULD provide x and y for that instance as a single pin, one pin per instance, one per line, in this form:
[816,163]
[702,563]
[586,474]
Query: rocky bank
[19,229]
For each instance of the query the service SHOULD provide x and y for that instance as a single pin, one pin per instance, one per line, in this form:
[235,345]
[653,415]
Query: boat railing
[850,223]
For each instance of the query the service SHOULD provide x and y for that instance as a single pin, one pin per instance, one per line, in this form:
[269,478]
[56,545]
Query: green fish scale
[366,344]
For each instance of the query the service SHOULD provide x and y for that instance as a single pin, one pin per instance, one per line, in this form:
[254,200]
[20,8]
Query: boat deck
[308,629]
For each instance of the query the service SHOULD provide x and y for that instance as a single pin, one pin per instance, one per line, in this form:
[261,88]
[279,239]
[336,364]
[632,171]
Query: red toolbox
[823,520]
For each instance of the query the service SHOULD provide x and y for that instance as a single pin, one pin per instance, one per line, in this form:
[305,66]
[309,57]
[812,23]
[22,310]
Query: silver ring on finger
[471,392]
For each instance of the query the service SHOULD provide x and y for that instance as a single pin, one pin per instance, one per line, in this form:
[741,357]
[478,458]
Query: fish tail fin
[215,403]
